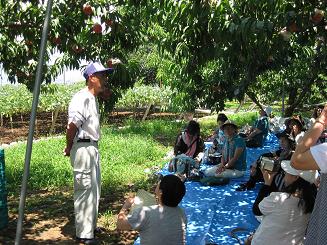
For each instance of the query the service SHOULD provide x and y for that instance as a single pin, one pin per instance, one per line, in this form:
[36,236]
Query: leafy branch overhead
[92,31]
[235,43]
[209,51]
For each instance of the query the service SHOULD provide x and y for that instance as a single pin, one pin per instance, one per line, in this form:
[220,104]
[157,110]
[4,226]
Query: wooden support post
[146,112]
[54,119]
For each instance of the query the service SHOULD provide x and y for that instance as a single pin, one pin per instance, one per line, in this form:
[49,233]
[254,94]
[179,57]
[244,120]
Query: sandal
[242,187]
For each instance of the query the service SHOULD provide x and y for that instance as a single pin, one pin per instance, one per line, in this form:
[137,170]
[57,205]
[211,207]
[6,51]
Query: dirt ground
[49,217]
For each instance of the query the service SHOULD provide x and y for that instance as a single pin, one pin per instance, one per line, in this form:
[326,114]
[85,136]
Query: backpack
[183,165]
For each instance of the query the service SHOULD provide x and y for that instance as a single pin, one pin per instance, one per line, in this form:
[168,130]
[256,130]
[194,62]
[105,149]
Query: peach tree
[222,47]
[79,30]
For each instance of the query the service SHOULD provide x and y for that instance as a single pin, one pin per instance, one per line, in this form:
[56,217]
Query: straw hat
[229,123]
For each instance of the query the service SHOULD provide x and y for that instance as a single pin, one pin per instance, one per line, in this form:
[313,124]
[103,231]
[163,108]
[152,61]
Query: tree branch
[18,25]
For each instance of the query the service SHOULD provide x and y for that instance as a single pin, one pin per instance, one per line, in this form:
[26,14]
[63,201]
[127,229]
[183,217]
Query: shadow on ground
[49,219]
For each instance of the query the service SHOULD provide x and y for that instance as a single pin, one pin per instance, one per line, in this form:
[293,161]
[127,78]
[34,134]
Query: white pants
[228,173]
[87,187]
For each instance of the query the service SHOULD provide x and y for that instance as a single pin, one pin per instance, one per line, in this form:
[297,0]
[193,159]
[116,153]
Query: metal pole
[36,94]
[283,99]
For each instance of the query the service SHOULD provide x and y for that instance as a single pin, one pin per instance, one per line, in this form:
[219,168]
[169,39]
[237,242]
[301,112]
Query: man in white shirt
[82,136]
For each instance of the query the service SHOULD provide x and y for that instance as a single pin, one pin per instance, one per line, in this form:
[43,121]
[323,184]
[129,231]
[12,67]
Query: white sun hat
[308,175]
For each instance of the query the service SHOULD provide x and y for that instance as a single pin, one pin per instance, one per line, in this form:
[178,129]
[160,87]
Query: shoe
[87,240]
[99,230]
[250,187]
[242,187]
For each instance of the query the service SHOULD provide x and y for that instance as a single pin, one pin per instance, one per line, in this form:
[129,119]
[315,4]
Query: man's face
[98,81]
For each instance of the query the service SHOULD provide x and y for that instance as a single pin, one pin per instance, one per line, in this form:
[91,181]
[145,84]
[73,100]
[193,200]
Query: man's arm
[122,222]
[237,154]
[302,157]
[254,133]
[230,164]
[70,134]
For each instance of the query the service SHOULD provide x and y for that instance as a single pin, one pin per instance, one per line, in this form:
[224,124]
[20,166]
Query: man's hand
[268,176]
[128,203]
[67,151]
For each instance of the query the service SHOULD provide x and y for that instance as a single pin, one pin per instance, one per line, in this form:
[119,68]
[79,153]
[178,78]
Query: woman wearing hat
[233,160]
[296,125]
[307,155]
[285,214]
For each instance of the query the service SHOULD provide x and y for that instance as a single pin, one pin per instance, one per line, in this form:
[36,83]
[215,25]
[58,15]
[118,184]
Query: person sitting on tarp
[285,215]
[233,160]
[218,134]
[161,224]
[189,142]
[188,152]
[297,127]
[213,153]
[258,133]
[287,145]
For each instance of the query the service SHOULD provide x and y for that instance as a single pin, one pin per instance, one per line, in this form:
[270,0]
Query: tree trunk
[239,106]
[54,119]
[295,99]
[253,97]
[11,124]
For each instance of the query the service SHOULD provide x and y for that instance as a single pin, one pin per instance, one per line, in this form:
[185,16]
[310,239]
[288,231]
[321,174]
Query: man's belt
[86,140]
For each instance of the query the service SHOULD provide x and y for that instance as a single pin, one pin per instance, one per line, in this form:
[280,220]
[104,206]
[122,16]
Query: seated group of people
[284,202]
[230,144]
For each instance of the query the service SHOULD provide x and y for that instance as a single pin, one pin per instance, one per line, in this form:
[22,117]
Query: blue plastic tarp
[213,211]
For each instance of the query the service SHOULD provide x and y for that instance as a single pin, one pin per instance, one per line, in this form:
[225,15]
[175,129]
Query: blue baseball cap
[95,67]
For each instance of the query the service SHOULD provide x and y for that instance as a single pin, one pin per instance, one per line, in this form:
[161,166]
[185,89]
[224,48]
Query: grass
[125,153]
[240,119]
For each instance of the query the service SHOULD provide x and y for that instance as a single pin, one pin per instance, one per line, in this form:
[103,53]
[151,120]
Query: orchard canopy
[207,51]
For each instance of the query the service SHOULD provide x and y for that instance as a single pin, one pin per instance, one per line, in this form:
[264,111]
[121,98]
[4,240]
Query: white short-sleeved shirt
[319,153]
[283,221]
[83,111]
[159,225]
